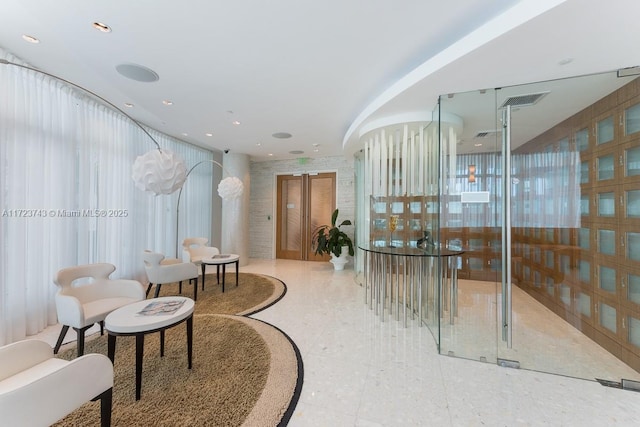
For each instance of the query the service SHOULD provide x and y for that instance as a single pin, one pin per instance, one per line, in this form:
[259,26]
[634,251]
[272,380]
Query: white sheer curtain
[65,161]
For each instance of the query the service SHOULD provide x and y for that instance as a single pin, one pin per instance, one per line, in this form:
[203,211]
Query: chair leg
[63,332]
[180,287]
[106,402]
[102,327]
[157,290]
[80,333]
[148,289]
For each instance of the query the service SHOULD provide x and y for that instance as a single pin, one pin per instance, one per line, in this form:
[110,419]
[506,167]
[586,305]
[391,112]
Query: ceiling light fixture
[167,102]
[208,134]
[270,154]
[258,144]
[104,28]
[281,135]
[235,122]
[128,105]
[30,39]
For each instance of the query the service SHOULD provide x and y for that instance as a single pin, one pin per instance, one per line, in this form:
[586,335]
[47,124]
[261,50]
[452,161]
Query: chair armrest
[58,392]
[22,355]
[69,309]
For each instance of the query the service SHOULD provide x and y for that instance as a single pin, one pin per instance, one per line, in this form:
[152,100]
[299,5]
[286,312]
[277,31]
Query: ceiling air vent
[523,100]
[485,133]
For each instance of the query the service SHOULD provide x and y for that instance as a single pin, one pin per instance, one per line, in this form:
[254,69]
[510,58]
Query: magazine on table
[220,256]
[160,308]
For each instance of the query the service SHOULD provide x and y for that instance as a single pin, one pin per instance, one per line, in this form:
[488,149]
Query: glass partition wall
[541,189]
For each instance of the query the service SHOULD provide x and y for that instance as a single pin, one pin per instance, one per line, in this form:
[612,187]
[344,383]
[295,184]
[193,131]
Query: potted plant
[330,239]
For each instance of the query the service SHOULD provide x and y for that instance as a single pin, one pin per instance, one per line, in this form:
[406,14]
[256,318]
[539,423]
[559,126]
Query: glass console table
[411,280]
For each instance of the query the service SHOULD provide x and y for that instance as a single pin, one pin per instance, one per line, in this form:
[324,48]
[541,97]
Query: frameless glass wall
[545,180]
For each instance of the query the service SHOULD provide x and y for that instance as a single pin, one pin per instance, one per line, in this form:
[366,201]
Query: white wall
[263,193]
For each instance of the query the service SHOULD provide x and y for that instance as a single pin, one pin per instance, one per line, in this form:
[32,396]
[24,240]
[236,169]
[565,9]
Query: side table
[221,260]
[127,321]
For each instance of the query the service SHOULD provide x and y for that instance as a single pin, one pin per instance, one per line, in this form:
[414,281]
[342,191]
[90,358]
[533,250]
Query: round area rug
[245,372]
[254,292]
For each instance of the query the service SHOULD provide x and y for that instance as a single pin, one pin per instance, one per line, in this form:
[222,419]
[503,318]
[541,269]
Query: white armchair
[168,270]
[81,305]
[194,249]
[37,389]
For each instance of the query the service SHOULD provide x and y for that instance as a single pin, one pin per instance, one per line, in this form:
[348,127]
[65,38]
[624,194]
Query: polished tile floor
[361,372]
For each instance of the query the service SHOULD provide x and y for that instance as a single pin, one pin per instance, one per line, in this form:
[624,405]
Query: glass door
[541,195]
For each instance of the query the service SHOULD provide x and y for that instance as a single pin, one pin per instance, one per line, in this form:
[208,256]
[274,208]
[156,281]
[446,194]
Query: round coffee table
[221,260]
[130,320]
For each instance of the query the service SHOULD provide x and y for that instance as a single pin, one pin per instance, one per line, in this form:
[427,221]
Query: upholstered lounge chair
[37,389]
[162,270]
[194,249]
[81,305]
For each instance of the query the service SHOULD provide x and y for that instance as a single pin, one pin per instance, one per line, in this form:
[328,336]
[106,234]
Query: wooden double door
[305,201]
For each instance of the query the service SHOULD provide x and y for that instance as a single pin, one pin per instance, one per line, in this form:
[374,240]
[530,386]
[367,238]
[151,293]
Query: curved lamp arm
[230,180]
[26,67]
[161,171]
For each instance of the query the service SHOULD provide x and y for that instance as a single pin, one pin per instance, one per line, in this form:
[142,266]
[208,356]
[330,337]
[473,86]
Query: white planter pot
[339,262]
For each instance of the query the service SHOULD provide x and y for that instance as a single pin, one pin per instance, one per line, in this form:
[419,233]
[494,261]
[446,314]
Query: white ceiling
[322,71]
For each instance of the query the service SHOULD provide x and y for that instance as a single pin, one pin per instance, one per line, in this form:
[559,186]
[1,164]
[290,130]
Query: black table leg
[224,273]
[190,339]
[162,343]
[195,288]
[139,354]
[111,347]
[237,265]
[204,267]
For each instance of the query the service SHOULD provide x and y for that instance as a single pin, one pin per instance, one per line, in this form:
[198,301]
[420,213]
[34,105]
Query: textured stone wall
[263,196]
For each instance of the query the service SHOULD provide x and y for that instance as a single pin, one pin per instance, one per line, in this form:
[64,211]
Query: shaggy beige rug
[245,372]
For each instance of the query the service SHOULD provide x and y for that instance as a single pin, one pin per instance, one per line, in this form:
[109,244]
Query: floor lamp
[229,188]
[159,171]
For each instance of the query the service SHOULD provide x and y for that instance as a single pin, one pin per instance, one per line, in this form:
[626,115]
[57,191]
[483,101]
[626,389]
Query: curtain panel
[67,197]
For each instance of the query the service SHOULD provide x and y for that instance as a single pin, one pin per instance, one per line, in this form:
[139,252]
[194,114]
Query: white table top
[127,320]
[228,258]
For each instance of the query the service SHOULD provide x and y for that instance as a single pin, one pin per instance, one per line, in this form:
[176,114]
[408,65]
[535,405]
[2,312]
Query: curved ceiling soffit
[502,24]
[413,120]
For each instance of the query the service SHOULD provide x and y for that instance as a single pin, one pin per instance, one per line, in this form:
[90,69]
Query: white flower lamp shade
[159,171]
[230,188]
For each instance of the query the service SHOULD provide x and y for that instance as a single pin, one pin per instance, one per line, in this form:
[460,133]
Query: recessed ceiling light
[235,122]
[185,134]
[281,135]
[167,102]
[477,145]
[270,154]
[258,144]
[208,134]
[315,150]
[102,27]
[315,145]
[128,105]
[30,39]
